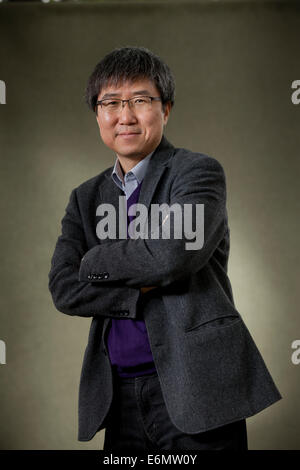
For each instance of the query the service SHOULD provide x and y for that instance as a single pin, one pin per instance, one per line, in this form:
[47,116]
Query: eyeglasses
[138,103]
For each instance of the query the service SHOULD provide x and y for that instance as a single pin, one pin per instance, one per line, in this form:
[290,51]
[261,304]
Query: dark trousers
[138,421]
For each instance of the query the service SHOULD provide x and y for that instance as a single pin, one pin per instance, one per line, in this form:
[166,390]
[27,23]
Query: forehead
[138,86]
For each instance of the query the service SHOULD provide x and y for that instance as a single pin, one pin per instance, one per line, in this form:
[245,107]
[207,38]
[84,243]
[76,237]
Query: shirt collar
[137,172]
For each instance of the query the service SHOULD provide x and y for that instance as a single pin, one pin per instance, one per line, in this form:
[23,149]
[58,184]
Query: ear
[166,111]
[97,118]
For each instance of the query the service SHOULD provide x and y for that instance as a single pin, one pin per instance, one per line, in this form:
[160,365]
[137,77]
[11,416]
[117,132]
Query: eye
[140,100]
[110,103]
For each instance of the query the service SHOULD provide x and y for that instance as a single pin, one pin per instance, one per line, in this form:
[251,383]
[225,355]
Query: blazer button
[89,276]
[94,276]
[124,313]
[106,275]
[100,276]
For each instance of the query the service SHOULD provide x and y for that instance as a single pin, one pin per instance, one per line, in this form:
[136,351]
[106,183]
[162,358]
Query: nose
[127,115]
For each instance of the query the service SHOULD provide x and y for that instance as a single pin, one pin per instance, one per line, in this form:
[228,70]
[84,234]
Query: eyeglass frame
[153,98]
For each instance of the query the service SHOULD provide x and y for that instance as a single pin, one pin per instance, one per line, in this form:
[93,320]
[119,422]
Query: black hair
[129,64]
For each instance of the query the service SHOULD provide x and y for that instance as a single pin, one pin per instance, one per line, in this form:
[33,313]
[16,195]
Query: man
[170,364]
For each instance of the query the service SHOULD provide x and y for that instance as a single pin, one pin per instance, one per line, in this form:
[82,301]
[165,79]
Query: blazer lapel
[156,167]
[110,192]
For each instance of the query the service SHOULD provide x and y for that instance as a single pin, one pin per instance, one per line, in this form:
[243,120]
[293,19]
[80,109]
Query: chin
[129,152]
[131,155]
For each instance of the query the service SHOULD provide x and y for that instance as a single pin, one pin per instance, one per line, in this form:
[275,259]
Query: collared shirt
[133,178]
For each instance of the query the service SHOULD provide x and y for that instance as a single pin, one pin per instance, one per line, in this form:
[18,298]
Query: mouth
[128,134]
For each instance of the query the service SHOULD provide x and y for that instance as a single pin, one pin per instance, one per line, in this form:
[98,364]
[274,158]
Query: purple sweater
[127,340]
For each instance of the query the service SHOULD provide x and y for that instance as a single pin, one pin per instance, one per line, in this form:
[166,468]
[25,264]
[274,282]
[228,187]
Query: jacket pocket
[215,323]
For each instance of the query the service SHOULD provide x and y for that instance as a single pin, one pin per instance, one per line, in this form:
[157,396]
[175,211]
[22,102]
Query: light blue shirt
[133,178]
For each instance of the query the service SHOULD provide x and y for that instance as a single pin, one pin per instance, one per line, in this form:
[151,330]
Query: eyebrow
[138,92]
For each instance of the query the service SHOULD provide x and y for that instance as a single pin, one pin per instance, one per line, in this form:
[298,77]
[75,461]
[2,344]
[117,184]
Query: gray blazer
[210,370]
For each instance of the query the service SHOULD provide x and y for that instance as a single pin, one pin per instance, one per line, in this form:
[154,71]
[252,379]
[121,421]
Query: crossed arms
[136,265]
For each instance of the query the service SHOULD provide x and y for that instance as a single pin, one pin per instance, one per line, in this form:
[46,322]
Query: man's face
[132,134]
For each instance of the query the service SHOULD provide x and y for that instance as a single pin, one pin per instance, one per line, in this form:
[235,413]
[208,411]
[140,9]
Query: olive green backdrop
[234,64]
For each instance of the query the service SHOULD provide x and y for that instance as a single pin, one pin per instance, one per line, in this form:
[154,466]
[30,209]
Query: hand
[146,289]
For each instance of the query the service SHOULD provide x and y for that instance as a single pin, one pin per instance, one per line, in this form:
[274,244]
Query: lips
[128,133]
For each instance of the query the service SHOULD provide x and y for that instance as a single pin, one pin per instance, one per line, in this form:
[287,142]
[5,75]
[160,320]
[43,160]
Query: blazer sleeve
[85,299]
[159,262]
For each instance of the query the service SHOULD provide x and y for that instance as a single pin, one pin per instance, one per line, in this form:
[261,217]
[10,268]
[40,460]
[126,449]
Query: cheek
[154,122]
[104,123]
[105,127]
[155,125]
